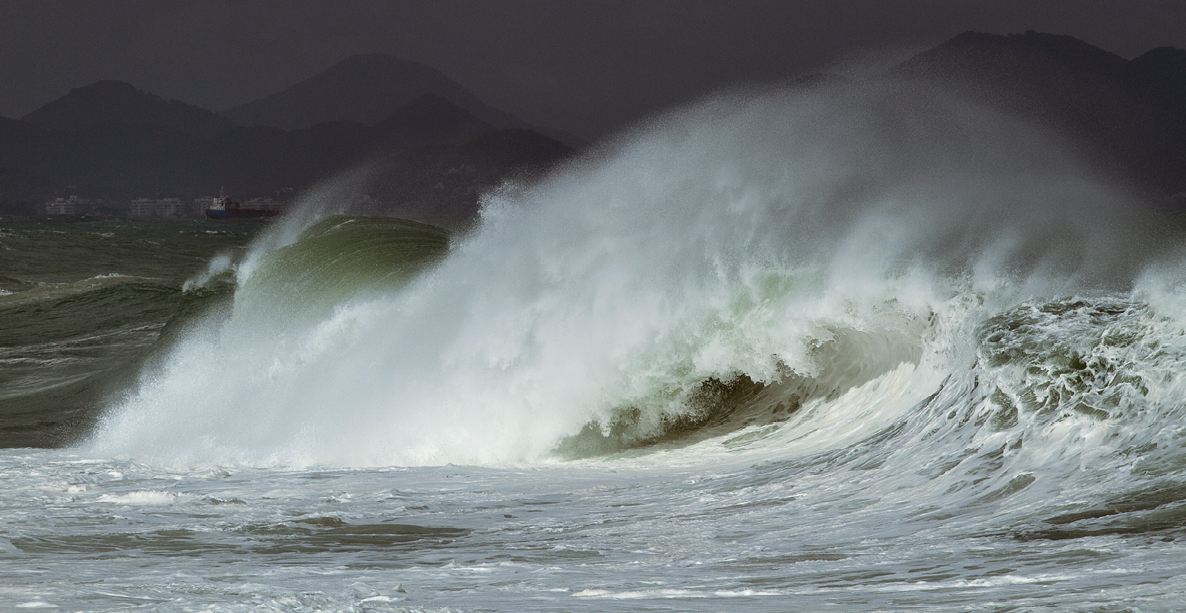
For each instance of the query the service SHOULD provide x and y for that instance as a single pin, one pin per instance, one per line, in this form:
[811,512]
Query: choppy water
[860,347]
[80,303]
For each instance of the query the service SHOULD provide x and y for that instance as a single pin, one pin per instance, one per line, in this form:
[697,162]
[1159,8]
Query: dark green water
[81,303]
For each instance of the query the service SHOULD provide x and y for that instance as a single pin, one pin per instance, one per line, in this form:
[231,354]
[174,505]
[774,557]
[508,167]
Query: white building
[163,208]
[68,206]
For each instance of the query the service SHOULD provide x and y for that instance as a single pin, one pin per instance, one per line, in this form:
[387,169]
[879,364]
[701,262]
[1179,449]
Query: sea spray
[857,347]
[809,241]
[333,196]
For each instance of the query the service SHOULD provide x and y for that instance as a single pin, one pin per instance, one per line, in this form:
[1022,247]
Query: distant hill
[21,141]
[442,184]
[430,119]
[118,102]
[22,151]
[1130,116]
[367,89]
[262,161]
[437,148]
[112,142]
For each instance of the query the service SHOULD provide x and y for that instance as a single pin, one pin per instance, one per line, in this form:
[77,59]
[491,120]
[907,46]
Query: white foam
[148,497]
[735,236]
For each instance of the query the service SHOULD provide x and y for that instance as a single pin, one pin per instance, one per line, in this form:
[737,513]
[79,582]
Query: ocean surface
[857,347]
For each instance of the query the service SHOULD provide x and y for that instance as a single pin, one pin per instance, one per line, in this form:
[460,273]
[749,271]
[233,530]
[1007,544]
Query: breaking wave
[869,274]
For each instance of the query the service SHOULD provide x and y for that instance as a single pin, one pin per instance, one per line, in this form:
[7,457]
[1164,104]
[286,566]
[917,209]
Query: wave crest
[754,250]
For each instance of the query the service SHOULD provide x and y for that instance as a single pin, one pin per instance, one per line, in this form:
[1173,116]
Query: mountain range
[367,89]
[111,141]
[1129,116]
[438,146]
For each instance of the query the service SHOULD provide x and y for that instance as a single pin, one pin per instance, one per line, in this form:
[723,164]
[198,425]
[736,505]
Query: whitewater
[858,345]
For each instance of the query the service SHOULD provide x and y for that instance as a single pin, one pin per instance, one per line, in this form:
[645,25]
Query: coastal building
[68,206]
[162,208]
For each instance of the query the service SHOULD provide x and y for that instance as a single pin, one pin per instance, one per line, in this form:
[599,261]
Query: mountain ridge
[1129,115]
[367,88]
[110,101]
[110,139]
[430,118]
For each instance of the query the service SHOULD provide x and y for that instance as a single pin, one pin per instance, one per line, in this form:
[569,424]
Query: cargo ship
[225,208]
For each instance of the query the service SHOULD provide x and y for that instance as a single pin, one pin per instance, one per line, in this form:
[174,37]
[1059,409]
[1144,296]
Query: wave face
[777,272]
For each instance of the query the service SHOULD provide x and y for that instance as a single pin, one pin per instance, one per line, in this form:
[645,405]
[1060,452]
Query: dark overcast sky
[585,67]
